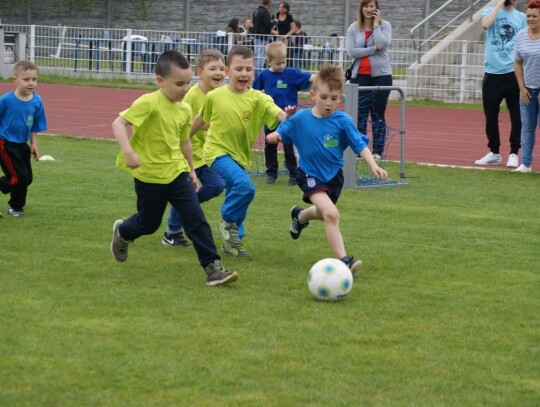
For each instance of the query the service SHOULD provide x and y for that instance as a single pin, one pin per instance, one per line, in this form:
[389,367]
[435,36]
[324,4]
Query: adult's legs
[530,117]
[378,120]
[492,96]
[512,103]
[260,54]
[365,102]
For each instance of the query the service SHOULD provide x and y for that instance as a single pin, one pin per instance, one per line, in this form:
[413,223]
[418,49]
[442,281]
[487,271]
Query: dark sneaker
[354,265]
[270,180]
[229,233]
[217,275]
[292,182]
[119,246]
[15,212]
[296,225]
[175,239]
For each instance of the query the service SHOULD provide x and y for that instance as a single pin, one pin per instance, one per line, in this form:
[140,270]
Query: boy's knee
[331,216]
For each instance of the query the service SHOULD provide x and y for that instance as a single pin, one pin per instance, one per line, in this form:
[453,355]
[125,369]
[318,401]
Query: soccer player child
[235,114]
[282,83]
[22,116]
[211,71]
[158,155]
[321,134]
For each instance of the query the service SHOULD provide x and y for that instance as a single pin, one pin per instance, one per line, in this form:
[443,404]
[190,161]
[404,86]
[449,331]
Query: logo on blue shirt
[330,141]
[30,120]
[281,85]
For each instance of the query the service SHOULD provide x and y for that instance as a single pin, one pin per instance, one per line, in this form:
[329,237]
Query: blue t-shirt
[283,86]
[500,40]
[19,118]
[321,141]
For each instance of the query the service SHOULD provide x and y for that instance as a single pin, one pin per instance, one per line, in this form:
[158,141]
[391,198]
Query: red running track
[432,135]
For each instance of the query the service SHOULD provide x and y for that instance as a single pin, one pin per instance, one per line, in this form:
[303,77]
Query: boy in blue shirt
[282,84]
[22,116]
[321,135]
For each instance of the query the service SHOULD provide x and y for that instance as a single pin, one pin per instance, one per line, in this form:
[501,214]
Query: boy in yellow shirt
[211,71]
[236,114]
[158,155]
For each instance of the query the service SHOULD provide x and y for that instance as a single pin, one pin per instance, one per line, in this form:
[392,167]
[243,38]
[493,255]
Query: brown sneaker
[119,246]
[217,275]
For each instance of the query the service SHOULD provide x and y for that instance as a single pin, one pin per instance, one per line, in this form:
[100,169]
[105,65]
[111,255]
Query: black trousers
[152,200]
[271,158]
[495,88]
[15,162]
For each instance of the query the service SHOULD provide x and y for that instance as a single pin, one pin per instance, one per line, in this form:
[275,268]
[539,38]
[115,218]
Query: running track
[435,136]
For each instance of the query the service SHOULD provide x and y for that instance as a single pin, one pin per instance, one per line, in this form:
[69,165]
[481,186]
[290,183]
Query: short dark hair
[240,51]
[298,23]
[169,59]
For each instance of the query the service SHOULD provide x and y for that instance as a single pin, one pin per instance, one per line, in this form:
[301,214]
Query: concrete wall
[319,17]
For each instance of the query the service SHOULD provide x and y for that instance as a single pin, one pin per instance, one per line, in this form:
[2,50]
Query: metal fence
[452,71]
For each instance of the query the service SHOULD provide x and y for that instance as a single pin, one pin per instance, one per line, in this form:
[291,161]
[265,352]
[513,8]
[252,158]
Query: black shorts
[310,185]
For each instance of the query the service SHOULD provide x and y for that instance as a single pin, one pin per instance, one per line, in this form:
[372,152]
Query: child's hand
[273,138]
[132,160]
[34,151]
[290,110]
[194,180]
[379,172]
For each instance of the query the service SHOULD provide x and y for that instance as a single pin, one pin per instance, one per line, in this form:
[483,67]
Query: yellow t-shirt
[158,127]
[236,120]
[195,98]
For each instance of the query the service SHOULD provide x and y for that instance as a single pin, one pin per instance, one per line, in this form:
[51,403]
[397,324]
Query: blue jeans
[212,186]
[530,118]
[260,53]
[374,104]
[239,190]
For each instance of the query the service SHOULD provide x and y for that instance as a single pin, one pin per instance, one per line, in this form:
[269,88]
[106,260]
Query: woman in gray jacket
[367,41]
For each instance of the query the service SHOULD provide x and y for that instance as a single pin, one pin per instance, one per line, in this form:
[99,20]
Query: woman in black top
[282,20]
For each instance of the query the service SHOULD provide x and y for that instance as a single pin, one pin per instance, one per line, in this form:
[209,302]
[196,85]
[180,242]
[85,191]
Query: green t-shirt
[195,98]
[236,120]
[158,127]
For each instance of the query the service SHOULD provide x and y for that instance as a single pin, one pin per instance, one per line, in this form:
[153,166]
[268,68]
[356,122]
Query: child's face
[326,100]
[213,74]
[277,64]
[25,82]
[175,86]
[240,72]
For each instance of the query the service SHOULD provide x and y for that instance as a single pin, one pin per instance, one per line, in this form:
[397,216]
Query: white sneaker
[522,168]
[489,159]
[512,161]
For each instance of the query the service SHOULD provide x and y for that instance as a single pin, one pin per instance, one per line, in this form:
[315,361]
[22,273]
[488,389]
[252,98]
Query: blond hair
[276,50]
[331,75]
[209,55]
[23,66]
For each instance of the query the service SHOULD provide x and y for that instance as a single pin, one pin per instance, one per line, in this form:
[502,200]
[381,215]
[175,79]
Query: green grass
[445,312]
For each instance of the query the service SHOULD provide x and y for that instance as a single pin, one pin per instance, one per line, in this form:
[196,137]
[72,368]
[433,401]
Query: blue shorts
[310,185]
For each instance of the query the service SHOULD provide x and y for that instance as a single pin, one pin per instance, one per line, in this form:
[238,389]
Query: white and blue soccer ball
[330,280]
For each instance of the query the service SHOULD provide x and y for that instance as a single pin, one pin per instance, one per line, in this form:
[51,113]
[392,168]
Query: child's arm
[197,124]
[33,145]
[286,113]
[375,169]
[187,151]
[120,126]
[273,138]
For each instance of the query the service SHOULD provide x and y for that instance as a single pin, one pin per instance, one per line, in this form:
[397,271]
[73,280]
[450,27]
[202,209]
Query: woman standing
[527,70]
[367,41]
[283,21]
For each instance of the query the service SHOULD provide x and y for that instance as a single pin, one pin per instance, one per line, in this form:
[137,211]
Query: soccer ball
[330,280]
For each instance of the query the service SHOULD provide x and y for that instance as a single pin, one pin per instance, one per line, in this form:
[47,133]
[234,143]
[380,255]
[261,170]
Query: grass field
[445,312]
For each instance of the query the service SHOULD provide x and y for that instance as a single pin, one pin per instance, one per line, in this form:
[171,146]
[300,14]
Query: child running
[22,117]
[321,135]
[211,72]
[282,83]
[158,155]
[235,113]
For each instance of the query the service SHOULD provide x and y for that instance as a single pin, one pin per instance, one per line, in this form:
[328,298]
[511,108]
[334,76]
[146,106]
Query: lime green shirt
[158,127]
[195,98]
[236,120]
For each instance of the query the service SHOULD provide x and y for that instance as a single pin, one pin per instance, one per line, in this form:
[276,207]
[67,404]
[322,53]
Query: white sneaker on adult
[489,159]
[512,161]
[522,168]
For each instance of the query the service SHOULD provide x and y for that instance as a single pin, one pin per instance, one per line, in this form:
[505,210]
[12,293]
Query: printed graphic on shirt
[503,38]
[30,120]
[281,84]
[246,116]
[330,141]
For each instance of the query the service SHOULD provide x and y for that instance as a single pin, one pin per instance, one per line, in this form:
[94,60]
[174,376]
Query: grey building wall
[319,17]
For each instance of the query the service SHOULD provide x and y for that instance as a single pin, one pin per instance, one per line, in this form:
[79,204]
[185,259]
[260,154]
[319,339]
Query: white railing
[455,75]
